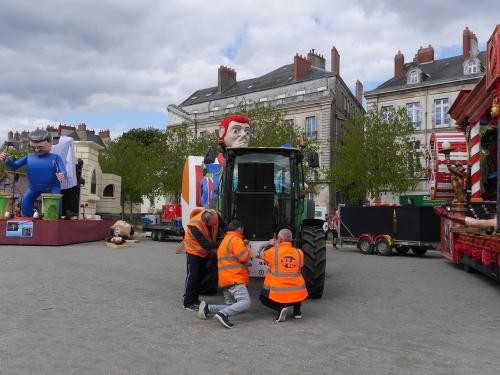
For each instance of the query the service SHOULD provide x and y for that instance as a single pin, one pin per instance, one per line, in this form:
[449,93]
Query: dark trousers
[70,200]
[195,267]
[278,306]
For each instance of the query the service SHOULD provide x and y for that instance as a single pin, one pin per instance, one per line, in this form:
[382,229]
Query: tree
[377,154]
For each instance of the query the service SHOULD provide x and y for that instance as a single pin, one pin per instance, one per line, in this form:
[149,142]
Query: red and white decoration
[439,176]
[475,158]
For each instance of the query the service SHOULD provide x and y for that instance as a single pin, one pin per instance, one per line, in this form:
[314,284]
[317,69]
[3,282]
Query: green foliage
[15,154]
[376,155]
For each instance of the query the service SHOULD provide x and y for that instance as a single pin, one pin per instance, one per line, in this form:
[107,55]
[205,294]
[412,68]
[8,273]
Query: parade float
[35,215]
[469,231]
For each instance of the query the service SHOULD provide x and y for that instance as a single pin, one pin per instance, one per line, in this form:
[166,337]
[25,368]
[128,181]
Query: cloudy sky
[117,64]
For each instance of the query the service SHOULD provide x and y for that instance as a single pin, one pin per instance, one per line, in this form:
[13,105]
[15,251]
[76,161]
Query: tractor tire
[382,247]
[210,277]
[365,246]
[314,248]
[419,251]
[402,250]
[162,236]
[154,235]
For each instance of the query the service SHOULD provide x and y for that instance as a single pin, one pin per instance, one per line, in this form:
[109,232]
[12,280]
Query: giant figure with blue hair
[45,170]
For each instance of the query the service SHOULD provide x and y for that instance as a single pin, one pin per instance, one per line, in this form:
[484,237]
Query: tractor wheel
[162,236]
[154,235]
[314,248]
[382,247]
[402,250]
[365,246]
[210,277]
[419,251]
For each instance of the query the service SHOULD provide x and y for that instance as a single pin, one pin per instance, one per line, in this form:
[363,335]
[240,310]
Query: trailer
[382,229]
[477,115]
[170,224]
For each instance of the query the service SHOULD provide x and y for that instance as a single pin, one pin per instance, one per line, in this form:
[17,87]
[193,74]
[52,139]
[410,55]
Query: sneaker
[203,310]
[193,307]
[282,315]
[224,320]
[297,314]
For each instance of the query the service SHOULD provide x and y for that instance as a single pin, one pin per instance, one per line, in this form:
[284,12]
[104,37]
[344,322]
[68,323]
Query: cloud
[66,58]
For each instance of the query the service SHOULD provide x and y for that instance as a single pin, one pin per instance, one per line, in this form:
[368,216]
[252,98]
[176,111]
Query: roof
[441,70]
[83,135]
[280,77]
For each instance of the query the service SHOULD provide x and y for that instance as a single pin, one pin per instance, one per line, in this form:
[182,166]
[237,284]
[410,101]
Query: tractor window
[281,163]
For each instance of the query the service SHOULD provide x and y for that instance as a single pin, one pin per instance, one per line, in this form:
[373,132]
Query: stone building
[317,101]
[427,87]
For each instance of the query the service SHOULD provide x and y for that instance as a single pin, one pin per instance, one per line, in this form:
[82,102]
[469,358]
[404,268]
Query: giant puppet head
[234,131]
[40,141]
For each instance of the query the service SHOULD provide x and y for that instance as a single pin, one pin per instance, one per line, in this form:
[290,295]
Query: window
[203,133]
[387,113]
[472,67]
[301,92]
[441,117]
[290,122]
[93,183]
[311,131]
[413,110]
[109,191]
[413,77]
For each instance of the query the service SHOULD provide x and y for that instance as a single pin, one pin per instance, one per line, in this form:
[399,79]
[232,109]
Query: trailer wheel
[210,277]
[154,235]
[382,247]
[419,251]
[162,235]
[314,248]
[402,250]
[365,246]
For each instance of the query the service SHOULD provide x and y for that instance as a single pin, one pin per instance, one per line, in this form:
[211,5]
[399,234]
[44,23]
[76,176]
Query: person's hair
[207,216]
[225,124]
[40,135]
[285,235]
[234,224]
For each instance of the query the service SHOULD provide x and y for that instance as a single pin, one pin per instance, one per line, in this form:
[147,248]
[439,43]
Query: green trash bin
[50,206]
[4,203]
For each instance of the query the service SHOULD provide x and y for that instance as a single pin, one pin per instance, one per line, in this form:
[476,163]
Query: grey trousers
[237,301]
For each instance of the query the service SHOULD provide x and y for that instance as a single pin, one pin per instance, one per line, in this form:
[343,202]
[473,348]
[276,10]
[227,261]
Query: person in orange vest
[283,285]
[232,258]
[200,242]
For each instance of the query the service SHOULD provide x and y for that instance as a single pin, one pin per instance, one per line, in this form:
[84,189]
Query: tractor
[265,189]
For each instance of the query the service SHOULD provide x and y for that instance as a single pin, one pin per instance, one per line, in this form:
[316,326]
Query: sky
[117,64]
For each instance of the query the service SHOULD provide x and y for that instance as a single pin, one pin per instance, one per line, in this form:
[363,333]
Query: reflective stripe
[242,252]
[198,225]
[228,247]
[227,258]
[232,266]
[284,289]
[195,248]
[283,274]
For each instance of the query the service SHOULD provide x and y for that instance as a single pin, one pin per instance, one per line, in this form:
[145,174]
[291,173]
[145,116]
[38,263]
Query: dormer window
[413,77]
[472,67]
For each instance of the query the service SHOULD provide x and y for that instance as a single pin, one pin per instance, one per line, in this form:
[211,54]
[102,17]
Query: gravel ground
[89,309]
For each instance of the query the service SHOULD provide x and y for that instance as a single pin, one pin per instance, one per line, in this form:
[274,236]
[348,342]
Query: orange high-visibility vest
[232,258]
[190,243]
[284,282]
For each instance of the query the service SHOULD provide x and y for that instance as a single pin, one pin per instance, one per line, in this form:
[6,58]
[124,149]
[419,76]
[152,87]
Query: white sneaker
[282,315]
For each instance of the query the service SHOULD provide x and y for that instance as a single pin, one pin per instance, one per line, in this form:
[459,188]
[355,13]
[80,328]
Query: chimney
[104,134]
[359,91]
[17,136]
[82,127]
[10,135]
[300,66]
[227,78]
[316,60]
[335,61]
[470,47]
[424,55]
[399,64]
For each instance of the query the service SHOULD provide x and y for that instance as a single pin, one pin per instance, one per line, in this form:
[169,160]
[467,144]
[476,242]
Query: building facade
[316,100]
[426,88]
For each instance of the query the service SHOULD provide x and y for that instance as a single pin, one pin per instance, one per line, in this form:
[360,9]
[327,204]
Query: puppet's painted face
[237,135]
[41,148]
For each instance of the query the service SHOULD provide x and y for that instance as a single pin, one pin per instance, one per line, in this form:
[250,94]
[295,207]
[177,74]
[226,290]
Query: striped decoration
[475,162]
[439,176]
